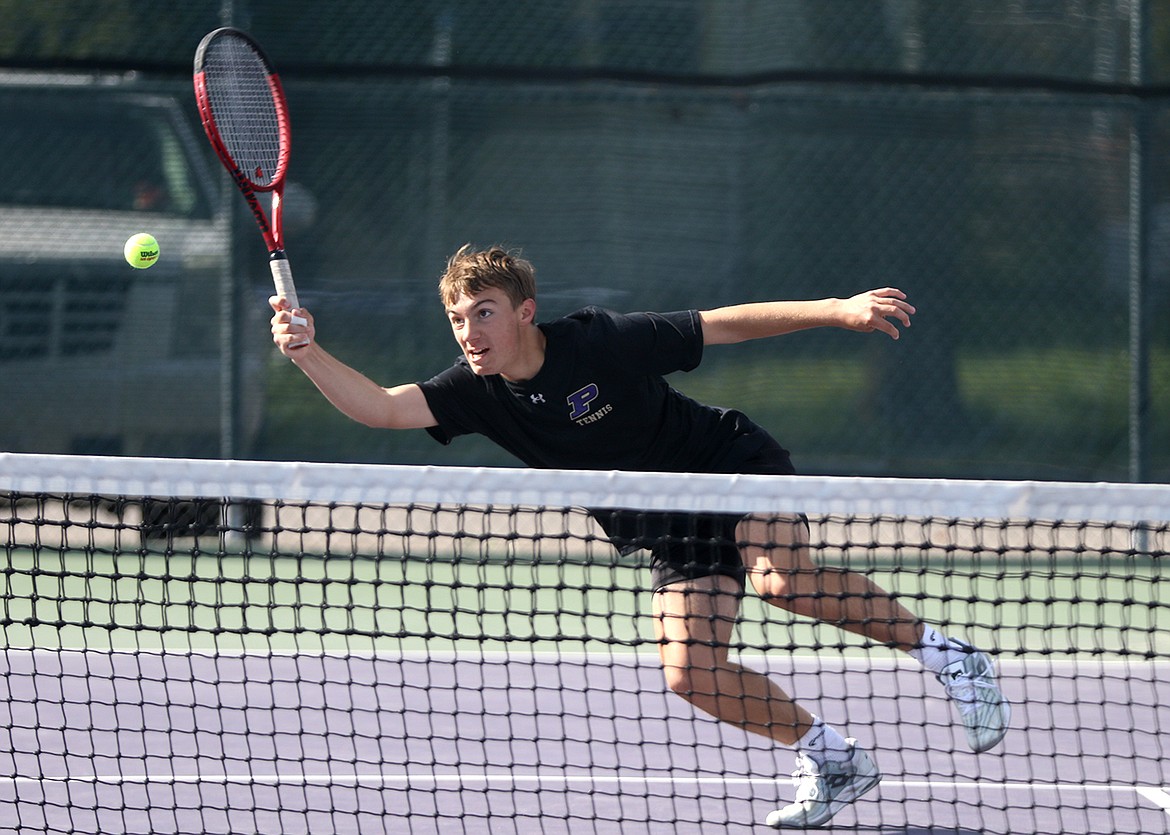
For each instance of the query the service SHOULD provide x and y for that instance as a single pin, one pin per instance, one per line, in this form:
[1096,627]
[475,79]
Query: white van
[95,356]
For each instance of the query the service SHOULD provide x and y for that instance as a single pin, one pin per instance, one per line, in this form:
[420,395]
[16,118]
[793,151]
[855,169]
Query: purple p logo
[579,401]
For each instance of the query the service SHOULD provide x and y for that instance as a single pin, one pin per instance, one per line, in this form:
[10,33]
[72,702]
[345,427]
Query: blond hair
[471,271]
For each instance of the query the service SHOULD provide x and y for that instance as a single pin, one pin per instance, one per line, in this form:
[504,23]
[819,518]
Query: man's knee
[691,678]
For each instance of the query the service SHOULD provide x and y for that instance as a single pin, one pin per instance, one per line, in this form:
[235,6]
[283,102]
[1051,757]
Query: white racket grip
[283,279]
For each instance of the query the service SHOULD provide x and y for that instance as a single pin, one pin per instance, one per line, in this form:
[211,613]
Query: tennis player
[587,392]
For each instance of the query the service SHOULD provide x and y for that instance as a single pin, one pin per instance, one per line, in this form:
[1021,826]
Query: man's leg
[775,551]
[780,567]
[694,620]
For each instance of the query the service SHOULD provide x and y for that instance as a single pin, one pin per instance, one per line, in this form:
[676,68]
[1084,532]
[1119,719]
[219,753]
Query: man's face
[488,329]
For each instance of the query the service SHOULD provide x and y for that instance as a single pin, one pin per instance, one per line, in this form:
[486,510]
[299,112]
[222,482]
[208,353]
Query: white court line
[1158,796]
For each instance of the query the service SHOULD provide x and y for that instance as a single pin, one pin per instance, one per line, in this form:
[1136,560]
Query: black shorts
[682,546]
[686,546]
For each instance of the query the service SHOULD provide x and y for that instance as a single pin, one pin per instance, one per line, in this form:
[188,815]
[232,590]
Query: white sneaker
[823,791]
[971,683]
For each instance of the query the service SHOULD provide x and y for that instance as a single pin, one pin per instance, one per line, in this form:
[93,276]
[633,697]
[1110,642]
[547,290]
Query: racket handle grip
[283,279]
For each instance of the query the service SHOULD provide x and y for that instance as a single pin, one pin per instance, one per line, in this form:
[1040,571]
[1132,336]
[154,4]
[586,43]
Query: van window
[116,158]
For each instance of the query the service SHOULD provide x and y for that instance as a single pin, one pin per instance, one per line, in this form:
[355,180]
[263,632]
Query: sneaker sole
[979,746]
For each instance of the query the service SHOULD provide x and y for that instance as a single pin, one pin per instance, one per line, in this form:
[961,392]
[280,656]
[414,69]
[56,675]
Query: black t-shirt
[600,401]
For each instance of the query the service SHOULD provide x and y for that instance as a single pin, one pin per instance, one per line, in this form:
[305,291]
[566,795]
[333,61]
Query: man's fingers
[886,327]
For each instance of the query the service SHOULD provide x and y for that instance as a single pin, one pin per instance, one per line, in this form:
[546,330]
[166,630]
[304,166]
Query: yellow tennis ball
[141,251]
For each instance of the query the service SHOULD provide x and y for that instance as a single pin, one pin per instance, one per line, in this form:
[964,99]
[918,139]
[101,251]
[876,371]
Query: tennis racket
[243,109]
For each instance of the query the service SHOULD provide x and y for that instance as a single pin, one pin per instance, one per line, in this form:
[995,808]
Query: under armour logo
[536,398]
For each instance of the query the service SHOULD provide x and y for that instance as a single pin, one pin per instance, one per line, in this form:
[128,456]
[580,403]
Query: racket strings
[242,102]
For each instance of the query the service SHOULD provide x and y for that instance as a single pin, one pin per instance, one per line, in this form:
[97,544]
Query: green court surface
[203,600]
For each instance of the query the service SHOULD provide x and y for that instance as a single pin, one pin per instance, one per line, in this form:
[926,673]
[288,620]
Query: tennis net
[215,646]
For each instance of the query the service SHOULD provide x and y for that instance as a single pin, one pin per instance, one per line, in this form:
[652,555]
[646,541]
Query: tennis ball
[141,251]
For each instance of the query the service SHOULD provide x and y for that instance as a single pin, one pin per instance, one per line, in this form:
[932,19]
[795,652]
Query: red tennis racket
[242,105]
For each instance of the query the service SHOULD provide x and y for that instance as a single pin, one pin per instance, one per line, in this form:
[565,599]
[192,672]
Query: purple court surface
[154,742]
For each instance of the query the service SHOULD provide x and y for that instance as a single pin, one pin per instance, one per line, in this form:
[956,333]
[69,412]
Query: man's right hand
[292,330]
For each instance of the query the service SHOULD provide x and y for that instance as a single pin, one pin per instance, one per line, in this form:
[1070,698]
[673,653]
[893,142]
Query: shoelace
[808,781]
[805,777]
[964,689]
[804,768]
[807,788]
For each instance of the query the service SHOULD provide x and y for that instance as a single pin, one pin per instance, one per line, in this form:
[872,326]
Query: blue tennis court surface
[101,741]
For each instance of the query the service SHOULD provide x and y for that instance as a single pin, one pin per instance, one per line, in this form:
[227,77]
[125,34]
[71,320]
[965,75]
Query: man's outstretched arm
[874,310]
[350,391]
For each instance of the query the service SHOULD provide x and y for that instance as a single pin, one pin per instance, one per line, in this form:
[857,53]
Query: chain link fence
[1001,162]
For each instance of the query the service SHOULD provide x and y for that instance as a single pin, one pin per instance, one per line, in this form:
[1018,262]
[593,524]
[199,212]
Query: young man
[587,392]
